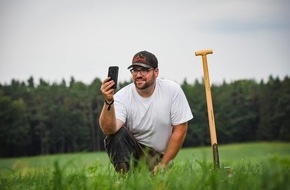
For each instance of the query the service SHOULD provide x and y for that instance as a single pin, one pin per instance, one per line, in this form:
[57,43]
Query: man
[145,119]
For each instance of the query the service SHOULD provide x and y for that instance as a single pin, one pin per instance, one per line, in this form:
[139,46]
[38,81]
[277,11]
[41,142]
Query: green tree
[274,110]
[14,127]
[198,130]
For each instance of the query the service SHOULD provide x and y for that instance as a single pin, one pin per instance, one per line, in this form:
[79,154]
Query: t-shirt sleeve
[180,109]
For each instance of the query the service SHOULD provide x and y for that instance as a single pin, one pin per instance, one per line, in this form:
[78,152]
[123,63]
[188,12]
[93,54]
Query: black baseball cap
[144,59]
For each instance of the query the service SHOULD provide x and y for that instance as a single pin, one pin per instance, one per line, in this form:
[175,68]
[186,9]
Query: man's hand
[159,168]
[107,90]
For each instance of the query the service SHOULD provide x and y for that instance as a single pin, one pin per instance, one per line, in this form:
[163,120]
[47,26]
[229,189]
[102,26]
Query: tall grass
[193,169]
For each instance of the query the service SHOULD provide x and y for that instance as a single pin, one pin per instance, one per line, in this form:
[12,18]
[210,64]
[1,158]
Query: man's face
[143,77]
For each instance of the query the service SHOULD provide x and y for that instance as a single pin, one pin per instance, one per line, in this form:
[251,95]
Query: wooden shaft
[210,111]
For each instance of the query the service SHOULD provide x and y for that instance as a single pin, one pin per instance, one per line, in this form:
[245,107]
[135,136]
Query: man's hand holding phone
[109,85]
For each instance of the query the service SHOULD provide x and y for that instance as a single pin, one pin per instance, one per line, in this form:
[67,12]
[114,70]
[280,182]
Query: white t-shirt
[151,119]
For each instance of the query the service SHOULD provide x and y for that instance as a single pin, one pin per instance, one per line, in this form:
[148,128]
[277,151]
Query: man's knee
[121,147]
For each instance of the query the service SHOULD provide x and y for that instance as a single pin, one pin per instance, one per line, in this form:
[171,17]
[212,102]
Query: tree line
[50,118]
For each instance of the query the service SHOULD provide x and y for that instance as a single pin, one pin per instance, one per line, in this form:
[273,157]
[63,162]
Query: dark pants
[124,151]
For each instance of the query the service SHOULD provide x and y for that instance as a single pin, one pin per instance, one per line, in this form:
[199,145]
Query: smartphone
[113,74]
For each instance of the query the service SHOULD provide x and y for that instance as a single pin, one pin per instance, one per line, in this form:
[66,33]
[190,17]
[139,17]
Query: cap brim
[139,64]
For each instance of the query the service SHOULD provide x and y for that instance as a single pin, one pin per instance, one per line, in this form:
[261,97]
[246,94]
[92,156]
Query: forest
[40,118]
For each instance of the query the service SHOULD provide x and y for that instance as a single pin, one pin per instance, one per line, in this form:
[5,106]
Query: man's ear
[156,72]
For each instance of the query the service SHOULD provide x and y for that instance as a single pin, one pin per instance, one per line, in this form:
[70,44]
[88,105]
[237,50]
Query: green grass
[248,166]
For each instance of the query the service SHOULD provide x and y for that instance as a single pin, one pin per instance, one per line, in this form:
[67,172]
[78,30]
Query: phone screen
[113,74]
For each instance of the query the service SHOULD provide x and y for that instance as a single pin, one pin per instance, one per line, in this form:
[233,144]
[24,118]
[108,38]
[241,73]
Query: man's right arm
[107,120]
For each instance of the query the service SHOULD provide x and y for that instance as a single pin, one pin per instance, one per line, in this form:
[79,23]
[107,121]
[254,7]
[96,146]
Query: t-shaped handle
[203,52]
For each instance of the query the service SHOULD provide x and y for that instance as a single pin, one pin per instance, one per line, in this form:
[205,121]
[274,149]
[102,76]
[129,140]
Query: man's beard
[146,85]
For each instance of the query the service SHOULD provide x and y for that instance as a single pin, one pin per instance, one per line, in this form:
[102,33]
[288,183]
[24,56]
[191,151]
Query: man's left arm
[175,143]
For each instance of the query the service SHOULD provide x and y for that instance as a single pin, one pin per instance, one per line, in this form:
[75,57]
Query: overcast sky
[57,39]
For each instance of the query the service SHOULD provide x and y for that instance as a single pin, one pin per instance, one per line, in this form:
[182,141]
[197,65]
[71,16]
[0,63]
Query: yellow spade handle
[210,111]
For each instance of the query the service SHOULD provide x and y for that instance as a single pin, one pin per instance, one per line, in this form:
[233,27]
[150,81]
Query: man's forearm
[107,119]
[175,143]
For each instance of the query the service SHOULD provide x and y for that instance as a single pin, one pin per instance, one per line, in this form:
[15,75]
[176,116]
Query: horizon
[199,80]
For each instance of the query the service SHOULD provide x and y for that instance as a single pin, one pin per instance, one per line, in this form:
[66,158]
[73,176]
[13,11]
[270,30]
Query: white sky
[57,39]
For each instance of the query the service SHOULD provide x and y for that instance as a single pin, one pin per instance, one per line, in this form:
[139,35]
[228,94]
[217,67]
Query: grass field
[243,166]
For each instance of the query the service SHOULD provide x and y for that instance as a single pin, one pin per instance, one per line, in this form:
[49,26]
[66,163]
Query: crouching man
[146,119]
